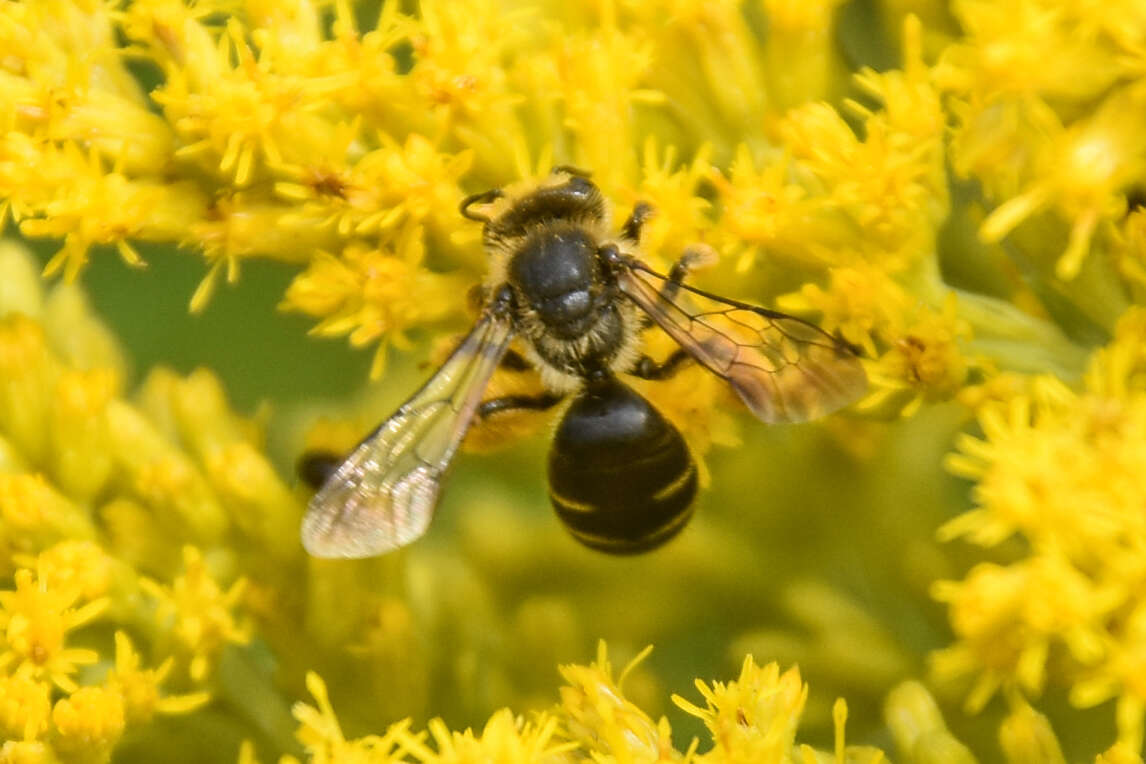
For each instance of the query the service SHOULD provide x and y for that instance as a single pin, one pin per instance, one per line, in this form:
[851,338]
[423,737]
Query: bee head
[555,270]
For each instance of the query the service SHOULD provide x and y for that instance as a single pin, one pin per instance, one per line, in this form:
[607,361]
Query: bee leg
[315,467]
[540,402]
[699,254]
[631,229]
[647,368]
[676,275]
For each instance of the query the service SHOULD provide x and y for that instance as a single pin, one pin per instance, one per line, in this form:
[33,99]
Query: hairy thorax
[611,343]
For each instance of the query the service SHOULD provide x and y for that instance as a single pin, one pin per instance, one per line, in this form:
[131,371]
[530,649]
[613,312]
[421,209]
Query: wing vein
[785,369]
[383,496]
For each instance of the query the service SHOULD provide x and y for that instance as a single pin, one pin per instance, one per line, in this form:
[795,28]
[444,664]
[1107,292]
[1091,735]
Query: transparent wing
[783,368]
[383,496]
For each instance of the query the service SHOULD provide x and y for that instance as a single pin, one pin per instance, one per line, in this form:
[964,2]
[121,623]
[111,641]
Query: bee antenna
[485,197]
[571,170]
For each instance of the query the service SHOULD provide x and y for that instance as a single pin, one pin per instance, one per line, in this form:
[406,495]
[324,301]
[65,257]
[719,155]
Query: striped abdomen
[620,475]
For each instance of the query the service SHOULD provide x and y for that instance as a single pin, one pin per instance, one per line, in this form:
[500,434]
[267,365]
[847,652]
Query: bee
[578,296]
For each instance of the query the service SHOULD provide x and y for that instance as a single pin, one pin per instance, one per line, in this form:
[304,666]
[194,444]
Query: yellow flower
[801,63]
[1062,470]
[108,208]
[458,83]
[927,363]
[35,516]
[600,82]
[917,725]
[241,225]
[503,738]
[139,687]
[860,303]
[81,461]
[100,104]
[598,715]
[263,507]
[1119,753]
[27,753]
[237,107]
[1019,131]
[1026,735]
[321,734]
[370,294]
[753,718]
[36,618]
[198,614]
[88,723]
[1084,172]
[27,376]
[1006,44]
[710,43]
[25,707]
[680,215]
[762,209]
[20,290]
[392,189]
[81,565]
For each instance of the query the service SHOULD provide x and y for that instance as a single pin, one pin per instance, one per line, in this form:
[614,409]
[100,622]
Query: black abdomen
[620,475]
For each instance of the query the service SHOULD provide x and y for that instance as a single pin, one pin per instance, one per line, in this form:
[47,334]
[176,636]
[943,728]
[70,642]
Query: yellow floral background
[199,197]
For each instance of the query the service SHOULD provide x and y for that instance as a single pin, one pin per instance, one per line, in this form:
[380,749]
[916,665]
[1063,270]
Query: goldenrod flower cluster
[958,189]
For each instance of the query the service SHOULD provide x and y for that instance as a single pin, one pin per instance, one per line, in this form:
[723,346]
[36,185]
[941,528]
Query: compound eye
[610,254]
[580,186]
